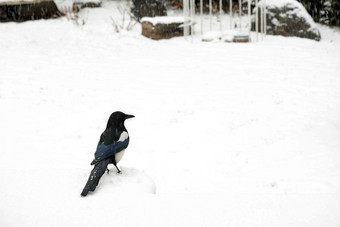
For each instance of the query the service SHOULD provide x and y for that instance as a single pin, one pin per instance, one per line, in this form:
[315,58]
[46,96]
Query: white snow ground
[225,134]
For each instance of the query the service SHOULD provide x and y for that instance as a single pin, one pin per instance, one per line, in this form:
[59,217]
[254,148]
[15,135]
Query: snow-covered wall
[69,3]
[163,20]
[10,2]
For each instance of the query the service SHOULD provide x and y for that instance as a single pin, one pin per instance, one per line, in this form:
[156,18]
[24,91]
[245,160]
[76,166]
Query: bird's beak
[127,116]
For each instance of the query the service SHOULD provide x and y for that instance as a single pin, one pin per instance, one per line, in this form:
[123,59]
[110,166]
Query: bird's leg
[118,169]
[115,164]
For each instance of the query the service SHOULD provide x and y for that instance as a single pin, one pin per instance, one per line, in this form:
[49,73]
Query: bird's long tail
[97,172]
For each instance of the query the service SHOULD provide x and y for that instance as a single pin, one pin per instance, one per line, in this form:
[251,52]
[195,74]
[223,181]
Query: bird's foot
[119,172]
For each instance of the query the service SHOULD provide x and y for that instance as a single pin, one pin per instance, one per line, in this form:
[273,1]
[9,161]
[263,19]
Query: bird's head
[117,119]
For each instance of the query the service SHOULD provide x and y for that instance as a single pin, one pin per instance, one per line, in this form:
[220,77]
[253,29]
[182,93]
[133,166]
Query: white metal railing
[260,23]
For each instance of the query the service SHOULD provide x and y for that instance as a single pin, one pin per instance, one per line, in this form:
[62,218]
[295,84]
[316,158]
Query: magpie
[110,149]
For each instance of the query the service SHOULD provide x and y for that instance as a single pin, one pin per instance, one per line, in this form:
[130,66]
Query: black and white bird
[110,149]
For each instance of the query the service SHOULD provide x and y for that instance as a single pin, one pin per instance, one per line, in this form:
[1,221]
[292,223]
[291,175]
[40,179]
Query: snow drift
[225,134]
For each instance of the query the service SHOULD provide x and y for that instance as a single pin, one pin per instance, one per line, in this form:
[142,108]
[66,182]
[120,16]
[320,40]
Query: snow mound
[279,3]
[232,135]
[129,181]
[225,36]
[212,36]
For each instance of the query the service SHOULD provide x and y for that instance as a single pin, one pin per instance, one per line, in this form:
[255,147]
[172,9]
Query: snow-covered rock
[162,27]
[289,18]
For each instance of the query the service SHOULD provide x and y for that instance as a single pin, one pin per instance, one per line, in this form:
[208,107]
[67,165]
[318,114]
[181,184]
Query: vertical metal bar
[192,18]
[265,18]
[221,16]
[240,14]
[231,13]
[257,20]
[210,13]
[201,6]
[249,17]
[185,14]
[262,21]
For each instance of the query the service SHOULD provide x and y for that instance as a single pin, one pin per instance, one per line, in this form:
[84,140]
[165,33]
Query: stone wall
[162,31]
[28,10]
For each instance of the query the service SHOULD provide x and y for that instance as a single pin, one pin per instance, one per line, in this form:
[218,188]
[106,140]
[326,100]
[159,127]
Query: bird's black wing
[105,151]
[109,145]
[109,136]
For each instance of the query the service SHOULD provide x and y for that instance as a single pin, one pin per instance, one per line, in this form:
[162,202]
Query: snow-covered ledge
[163,20]
[20,2]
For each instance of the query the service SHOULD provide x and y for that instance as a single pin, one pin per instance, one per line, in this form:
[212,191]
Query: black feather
[96,174]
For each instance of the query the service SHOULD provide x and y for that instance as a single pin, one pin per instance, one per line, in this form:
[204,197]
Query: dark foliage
[148,8]
[23,11]
[324,11]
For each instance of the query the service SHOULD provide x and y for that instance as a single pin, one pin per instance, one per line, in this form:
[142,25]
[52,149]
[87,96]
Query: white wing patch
[123,136]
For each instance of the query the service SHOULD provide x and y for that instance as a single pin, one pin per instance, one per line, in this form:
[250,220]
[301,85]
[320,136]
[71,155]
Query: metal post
[262,21]
[185,12]
[265,18]
[210,14]
[240,14]
[221,16]
[249,17]
[257,20]
[192,18]
[231,13]
[201,6]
